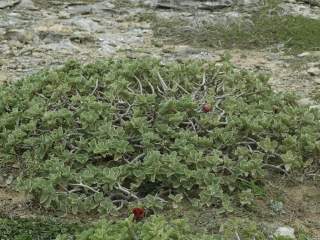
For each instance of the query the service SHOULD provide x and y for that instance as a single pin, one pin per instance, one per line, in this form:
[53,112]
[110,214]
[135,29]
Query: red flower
[206,108]
[138,213]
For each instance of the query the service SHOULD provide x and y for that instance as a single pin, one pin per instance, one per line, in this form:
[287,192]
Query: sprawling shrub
[97,137]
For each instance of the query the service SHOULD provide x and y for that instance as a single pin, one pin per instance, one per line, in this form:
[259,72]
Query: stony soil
[37,34]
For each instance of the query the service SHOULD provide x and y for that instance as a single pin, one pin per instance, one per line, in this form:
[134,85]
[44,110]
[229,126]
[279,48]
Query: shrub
[97,137]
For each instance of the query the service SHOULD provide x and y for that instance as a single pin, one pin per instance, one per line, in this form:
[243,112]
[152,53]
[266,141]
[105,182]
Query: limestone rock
[287,232]
[305,102]
[26,5]
[8,3]
[3,77]
[314,71]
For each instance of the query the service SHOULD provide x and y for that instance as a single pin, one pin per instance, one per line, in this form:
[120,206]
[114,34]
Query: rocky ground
[35,34]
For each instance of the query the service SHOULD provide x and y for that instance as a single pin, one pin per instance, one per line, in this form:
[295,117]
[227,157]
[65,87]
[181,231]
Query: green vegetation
[33,229]
[261,30]
[125,133]
[98,137]
[154,227]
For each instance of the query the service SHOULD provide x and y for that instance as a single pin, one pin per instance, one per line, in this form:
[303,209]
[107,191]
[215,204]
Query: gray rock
[82,37]
[149,3]
[5,49]
[3,76]
[299,10]
[249,2]
[26,5]
[317,80]
[9,180]
[104,6]
[313,64]
[20,35]
[211,6]
[86,24]
[65,46]
[314,71]
[63,15]
[53,33]
[287,232]
[305,102]
[2,33]
[184,4]
[304,54]
[14,45]
[80,9]
[8,3]
[107,49]
[2,180]
[315,107]
[312,2]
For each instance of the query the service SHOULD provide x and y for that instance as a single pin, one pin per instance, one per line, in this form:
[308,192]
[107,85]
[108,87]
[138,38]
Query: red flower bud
[138,213]
[206,108]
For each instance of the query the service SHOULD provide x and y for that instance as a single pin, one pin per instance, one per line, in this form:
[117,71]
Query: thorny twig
[276,167]
[222,112]
[121,203]
[126,191]
[216,73]
[182,88]
[140,85]
[264,150]
[252,141]
[202,85]
[160,199]
[127,111]
[237,236]
[95,88]
[190,122]
[41,95]
[160,91]
[137,158]
[248,94]
[131,90]
[152,88]
[222,96]
[204,81]
[312,175]
[84,186]
[163,84]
